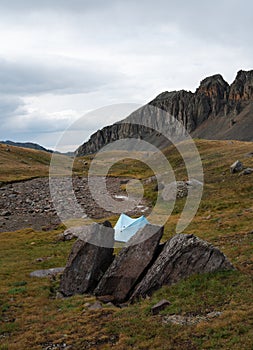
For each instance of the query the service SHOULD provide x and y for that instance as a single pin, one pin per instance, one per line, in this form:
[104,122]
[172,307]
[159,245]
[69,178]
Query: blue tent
[126,227]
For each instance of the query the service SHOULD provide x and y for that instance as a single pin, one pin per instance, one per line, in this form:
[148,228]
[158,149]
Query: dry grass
[17,163]
[32,318]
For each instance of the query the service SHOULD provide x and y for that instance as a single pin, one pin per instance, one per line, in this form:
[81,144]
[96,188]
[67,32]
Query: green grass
[31,316]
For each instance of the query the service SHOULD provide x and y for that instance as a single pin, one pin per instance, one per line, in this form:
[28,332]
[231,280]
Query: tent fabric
[126,227]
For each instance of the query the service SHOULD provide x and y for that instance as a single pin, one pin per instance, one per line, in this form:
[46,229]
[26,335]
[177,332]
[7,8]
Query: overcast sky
[60,59]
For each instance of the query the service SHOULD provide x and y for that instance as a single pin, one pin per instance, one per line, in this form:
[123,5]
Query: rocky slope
[216,110]
[29,204]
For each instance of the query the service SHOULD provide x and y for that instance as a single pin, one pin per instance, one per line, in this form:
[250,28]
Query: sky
[62,59]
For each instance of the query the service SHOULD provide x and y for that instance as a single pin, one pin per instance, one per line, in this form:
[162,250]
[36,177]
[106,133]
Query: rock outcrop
[131,263]
[90,257]
[141,267]
[242,88]
[182,256]
[216,110]
[236,167]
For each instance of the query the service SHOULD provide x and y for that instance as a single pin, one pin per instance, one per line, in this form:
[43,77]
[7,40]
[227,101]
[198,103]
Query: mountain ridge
[29,145]
[216,110]
[34,146]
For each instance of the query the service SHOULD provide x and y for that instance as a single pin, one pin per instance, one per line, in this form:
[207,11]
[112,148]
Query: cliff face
[216,110]
[242,88]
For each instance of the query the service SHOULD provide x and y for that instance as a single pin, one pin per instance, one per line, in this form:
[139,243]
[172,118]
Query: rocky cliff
[216,110]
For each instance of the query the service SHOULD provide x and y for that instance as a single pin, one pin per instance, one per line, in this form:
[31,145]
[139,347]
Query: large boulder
[236,167]
[131,263]
[89,258]
[182,256]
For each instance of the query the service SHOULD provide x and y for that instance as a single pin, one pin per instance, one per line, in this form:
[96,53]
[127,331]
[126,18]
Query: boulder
[47,273]
[236,167]
[161,305]
[246,171]
[89,258]
[131,263]
[182,256]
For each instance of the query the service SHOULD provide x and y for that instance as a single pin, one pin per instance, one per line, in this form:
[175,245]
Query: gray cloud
[62,5]
[29,78]
[10,106]
[79,55]
[222,20]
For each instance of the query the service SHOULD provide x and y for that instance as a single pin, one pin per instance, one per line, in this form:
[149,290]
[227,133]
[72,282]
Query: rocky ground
[29,204]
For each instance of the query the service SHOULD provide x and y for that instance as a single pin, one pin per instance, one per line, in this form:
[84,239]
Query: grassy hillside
[33,318]
[17,163]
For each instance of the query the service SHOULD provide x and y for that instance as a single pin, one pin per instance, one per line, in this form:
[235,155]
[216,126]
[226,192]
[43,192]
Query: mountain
[29,145]
[216,110]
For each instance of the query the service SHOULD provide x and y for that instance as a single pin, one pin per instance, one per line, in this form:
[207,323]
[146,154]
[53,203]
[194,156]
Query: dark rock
[161,305]
[106,298]
[47,273]
[88,260]
[247,171]
[5,213]
[129,266]
[182,256]
[124,181]
[236,167]
[106,223]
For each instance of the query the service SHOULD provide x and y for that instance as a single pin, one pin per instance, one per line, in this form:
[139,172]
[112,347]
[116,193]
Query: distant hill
[20,163]
[29,145]
[215,111]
